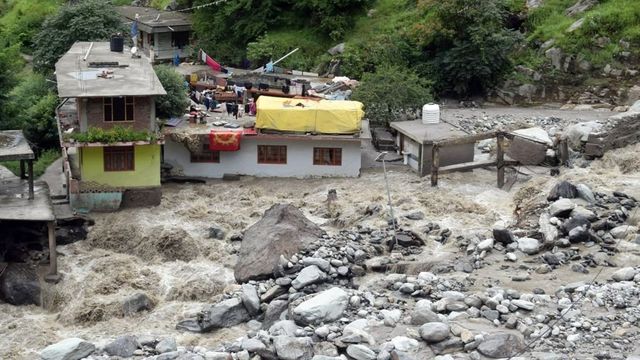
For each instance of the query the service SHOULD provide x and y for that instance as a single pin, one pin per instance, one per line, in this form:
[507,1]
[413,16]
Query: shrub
[175,102]
[113,135]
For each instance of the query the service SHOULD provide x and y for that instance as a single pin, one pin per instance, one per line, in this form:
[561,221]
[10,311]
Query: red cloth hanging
[212,63]
[224,140]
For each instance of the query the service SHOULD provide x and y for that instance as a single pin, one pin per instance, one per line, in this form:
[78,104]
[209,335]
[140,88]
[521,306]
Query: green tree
[88,20]
[40,126]
[10,63]
[391,93]
[466,44]
[175,102]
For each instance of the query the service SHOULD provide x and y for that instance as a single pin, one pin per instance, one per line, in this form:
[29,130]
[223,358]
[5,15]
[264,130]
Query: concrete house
[290,138]
[108,94]
[162,34]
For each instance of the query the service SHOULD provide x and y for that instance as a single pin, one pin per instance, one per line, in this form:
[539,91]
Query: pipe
[88,52]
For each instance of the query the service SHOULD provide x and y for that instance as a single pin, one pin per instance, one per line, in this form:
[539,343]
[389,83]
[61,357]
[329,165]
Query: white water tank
[431,114]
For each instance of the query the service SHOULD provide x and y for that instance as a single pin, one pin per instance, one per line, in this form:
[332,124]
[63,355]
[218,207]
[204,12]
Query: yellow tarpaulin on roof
[303,115]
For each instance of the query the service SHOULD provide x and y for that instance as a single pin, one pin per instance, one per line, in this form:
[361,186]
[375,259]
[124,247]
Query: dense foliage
[88,20]
[175,102]
[113,135]
[391,93]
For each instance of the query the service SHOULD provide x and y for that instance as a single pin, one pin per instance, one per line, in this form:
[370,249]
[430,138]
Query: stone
[253,345]
[575,221]
[585,193]
[561,208]
[576,25]
[391,317]
[322,264]
[283,230]
[501,345]
[307,276]
[563,189]
[422,313]
[528,246]
[579,234]
[360,352]
[284,327]
[503,236]
[535,133]
[274,312]
[433,332]
[405,344]
[338,49]
[526,151]
[123,346]
[555,55]
[549,231]
[250,299]
[624,274]
[225,314]
[293,348]
[486,244]
[580,7]
[166,345]
[415,215]
[622,231]
[523,304]
[216,232]
[533,4]
[20,285]
[68,349]
[136,303]
[326,306]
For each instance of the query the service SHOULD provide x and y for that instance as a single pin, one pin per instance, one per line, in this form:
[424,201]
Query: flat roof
[15,203]
[77,77]
[427,133]
[14,146]
[153,20]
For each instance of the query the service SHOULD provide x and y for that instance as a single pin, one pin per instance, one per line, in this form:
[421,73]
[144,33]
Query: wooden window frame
[335,156]
[206,156]
[127,163]
[279,158]
[129,101]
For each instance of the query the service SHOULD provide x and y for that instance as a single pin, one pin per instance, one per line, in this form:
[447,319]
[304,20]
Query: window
[119,158]
[272,154]
[327,156]
[206,155]
[180,39]
[118,108]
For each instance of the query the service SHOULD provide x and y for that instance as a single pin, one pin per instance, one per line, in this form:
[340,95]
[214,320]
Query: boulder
[503,236]
[250,299]
[68,349]
[123,346]
[578,133]
[338,49]
[136,303]
[225,314]
[563,189]
[422,313]
[166,345]
[574,222]
[622,231]
[580,7]
[549,231]
[326,306]
[284,328]
[307,276]
[321,263]
[555,55]
[624,274]
[526,151]
[360,352]
[561,208]
[274,312]
[433,332]
[585,193]
[501,345]
[293,348]
[20,285]
[528,246]
[535,133]
[283,230]
[576,25]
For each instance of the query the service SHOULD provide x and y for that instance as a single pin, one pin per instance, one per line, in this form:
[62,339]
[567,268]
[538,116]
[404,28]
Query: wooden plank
[500,160]
[466,166]
[435,164]
[467,139]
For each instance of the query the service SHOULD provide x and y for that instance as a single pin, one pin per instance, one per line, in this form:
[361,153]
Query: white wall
[245,161]
[412,148]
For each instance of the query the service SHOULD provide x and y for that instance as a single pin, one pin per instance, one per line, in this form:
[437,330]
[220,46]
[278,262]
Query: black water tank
[117,43]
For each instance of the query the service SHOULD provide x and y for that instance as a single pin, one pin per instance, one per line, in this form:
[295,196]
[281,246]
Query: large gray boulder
[283,230]
[360,352]
[123,346]
[250,299]
[68,349]
[326,306]
[307,276]
[136,303]
[422,313]
[20,285]
[293,348]
[433,332]
[501,345]
[225,314]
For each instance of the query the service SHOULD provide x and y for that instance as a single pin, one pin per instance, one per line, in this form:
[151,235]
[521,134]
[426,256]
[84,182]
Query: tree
[392,93]
[466,43]
[10,63]
[175,102]
[89,20]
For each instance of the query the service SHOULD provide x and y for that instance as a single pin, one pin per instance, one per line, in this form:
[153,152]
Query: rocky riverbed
[477,272]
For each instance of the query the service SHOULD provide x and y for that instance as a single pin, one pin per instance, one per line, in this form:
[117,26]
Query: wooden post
[500,159]
[53,275]
[30,165]
[23,174]
[564,152]
[435,164]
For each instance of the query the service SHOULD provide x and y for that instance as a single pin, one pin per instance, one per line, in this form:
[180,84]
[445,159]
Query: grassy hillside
[20,20]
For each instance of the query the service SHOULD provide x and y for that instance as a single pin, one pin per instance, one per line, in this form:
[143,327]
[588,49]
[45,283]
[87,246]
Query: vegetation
[113,135]
[391,93]
[88,20]
[176,100]
[41,164]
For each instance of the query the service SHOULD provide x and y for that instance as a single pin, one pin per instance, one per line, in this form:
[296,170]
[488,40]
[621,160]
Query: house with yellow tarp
[288,137]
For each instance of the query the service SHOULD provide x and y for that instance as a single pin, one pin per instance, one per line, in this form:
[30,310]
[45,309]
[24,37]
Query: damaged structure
[26,221]
[163,35]
[108,96]
[290,138]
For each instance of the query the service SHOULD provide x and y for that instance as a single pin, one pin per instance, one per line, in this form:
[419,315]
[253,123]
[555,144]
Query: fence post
[500,159]
[435,164]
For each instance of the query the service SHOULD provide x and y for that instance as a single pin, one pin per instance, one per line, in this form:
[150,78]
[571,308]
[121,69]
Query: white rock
[433,332]
[523,304]
[391,317]
[309,275]
[403,343]
[326,306]
[485,244]
[622,231]
[68,349]
[529,246]
[561,206]
[360,352]
[624,274]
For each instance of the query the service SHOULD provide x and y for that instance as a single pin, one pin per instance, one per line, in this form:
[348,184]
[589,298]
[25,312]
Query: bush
[175,102]
[391,93]
[41,164]
[113,135]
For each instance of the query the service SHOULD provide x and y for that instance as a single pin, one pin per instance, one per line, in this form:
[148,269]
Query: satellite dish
[134,50]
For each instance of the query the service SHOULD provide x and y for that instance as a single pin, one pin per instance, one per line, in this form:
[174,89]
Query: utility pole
[386,181]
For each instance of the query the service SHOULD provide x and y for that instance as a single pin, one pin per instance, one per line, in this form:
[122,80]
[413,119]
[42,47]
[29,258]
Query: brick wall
[141,114]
